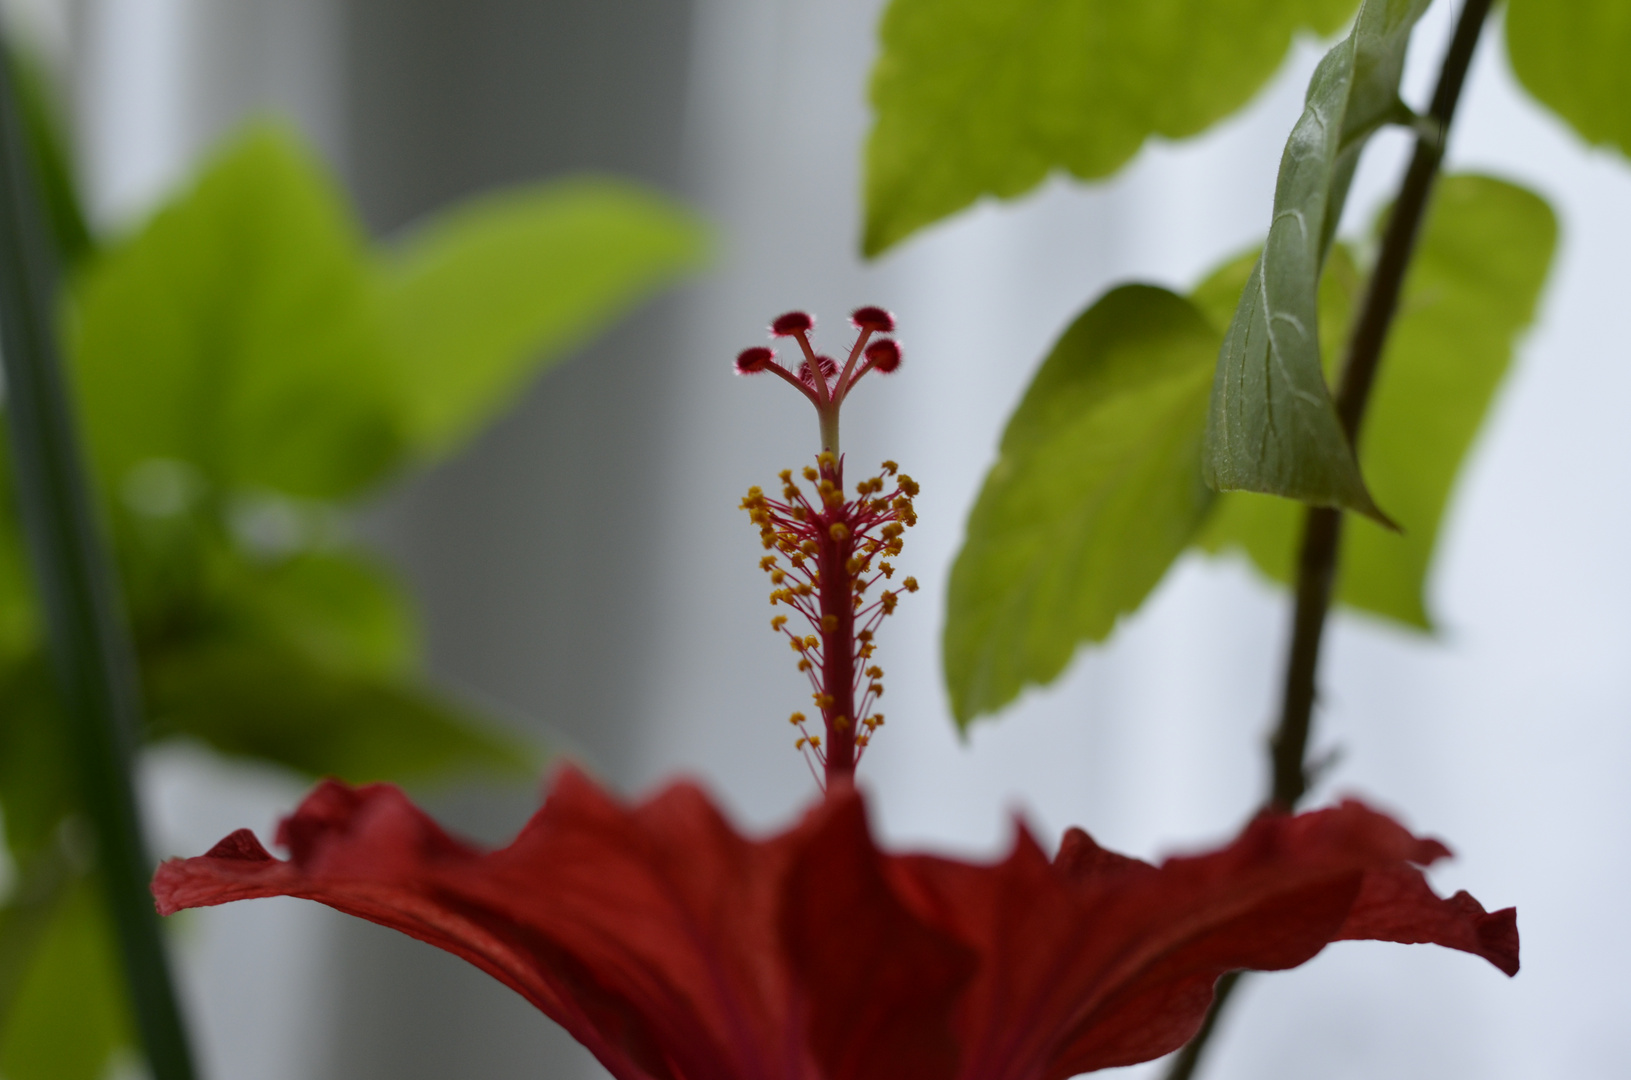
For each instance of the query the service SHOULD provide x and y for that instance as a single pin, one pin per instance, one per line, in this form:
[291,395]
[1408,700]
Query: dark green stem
[89,641]
[1322,528]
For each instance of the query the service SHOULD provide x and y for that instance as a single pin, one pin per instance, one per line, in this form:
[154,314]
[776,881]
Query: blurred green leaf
[42,116]
[70,1014]
[1272,426]
[1473,286]
[249,698]
[37,786]
[238,332]
[1096,490]
[18,626]
[342,609]
[26,915]
[985,97]
[1571,54]
[482,297]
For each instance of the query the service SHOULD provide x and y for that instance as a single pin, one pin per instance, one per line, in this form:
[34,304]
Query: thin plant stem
[1322,527]
[90,643]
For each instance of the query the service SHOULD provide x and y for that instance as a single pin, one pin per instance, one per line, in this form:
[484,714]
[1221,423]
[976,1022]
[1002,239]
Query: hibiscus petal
[880,983]
[649,934]
[1099,960]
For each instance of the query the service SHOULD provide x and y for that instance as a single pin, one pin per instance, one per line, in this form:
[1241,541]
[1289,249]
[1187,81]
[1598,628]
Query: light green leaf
[1571,54]
[1096,490]
[238,331]
[1272,427]
[483,297]
[249,698]
[70,1013]
[986,97]
[1473,286]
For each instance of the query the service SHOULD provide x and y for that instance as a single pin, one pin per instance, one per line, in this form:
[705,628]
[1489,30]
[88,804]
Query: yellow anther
[864,636]
[823,701]
[800,744]
[797,644]
[796,719]
[815,740]
[861,741]
[908,485]
[804,665]
[811,642]
[874,672]
[838,531]
[778,622]
[889,601]
[786,476]
[829,623]
[826,460]
[767,562]
[840,723]
[811,475]
[876,689]
[890,468]
[909,584]
[799,513]
[778,576]
[888,571]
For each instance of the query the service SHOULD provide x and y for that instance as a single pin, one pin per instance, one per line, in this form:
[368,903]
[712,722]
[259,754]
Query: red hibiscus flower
[675,949]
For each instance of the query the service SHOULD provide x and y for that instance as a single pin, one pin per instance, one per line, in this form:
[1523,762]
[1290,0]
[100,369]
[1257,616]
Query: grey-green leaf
[238,331]
[1272,426]
[986,97]
[1473,286]
[1096,490]
[482,297]
[1571,54]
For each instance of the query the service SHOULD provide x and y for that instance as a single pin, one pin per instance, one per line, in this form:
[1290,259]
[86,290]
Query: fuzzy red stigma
[875,319]
[794,322]
[754,360]
[828,392]
[883,355]
[829,368]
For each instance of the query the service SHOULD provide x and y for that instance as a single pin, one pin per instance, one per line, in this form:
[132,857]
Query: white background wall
[1506,735]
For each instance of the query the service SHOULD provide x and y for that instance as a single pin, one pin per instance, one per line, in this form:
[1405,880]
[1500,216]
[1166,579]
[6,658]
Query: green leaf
[37,785]
[1272,426]
[1096,490]
[248,698]
[70,1013]
[1473,286]
[1571,54]
[344,610]
[484,296]
[42,115]
[19,626]
[238,331]
[985,97]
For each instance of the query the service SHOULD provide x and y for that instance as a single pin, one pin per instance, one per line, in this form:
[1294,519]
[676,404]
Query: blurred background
[586,577]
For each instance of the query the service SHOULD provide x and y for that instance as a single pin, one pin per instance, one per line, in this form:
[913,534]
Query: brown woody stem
[1322,528]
